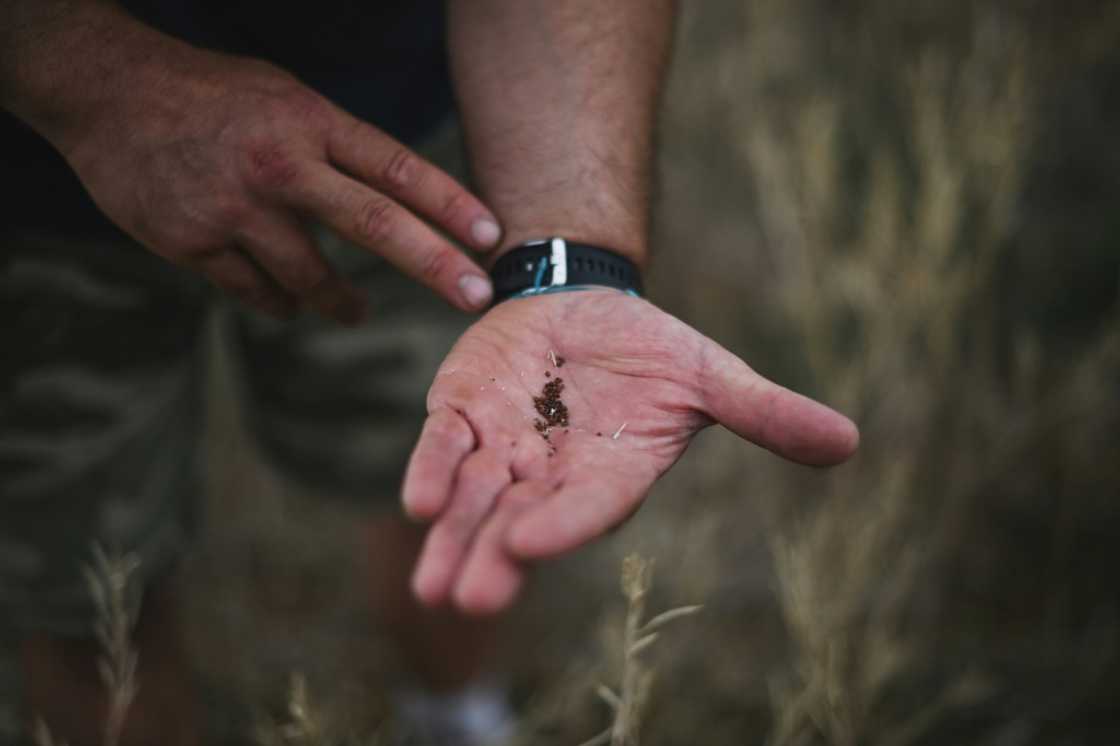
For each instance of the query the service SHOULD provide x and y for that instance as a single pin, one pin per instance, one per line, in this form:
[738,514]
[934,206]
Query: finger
[237,275]
[285,250]
[444,442]
[787,423]
[377,223]
[483,475]
[378,160]
[572,516]
[530,459]
[491,577]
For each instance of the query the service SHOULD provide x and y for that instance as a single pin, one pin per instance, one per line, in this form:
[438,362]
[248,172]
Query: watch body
[554,264]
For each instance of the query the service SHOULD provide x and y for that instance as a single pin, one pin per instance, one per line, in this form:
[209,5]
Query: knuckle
[308,107]
[459,521]
[271,166]
[453,431]
[453,206]
[375,220]
[475,471]
[360,135]
[473,499]
[200,254]
[402,168]
[435,263]
[483,468]
[230,212]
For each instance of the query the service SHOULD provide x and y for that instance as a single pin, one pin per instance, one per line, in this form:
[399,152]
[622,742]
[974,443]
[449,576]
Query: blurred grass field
[911,211]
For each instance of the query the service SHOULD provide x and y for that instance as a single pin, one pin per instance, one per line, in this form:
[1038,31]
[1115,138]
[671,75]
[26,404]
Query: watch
[553,264]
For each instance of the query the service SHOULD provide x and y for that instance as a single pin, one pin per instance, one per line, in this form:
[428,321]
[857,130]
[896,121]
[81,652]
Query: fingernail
[476,290]
[485,232]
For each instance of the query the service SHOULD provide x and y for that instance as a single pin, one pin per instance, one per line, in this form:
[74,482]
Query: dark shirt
[382,61]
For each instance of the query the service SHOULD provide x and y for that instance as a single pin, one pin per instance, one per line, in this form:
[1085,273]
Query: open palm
[508,476]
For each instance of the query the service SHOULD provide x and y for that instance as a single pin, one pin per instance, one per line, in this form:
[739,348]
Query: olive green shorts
[102,393]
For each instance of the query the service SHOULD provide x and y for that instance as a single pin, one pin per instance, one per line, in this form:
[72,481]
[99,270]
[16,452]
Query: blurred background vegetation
[912,211]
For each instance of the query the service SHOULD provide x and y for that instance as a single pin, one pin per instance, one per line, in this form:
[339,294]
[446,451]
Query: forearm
[558,99]
[63,61]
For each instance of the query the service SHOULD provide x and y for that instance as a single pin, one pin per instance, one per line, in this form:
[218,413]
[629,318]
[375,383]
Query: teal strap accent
[540,289]
[550,289]
[541,267]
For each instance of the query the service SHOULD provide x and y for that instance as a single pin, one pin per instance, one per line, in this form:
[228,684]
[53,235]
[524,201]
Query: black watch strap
[554,263]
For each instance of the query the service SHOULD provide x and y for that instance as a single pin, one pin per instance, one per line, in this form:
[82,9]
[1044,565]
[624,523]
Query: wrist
[68,65]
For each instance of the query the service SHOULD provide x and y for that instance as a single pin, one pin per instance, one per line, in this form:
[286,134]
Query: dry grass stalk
[110,584]
[303,727]
[41,735]
[892,280]
[109,579]
[638,635]
[846,580]
[306,724]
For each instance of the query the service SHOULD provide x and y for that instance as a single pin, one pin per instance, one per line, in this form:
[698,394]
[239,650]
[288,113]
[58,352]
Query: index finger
[378,160]
[376,222]
[444,442]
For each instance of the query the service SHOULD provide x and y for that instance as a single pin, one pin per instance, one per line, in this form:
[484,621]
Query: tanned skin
[559,113]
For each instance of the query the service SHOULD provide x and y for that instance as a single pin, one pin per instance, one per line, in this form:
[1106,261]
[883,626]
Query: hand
[214,162]
[637,384]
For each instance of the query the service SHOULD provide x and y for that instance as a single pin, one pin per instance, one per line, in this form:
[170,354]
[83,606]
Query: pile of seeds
[552,410]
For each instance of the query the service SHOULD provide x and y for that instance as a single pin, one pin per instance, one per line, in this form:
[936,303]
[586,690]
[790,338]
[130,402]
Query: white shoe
[478,715]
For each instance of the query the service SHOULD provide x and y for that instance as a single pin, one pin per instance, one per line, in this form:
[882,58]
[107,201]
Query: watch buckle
[559,262]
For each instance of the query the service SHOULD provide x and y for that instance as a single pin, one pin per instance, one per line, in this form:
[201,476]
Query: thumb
[791,425]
